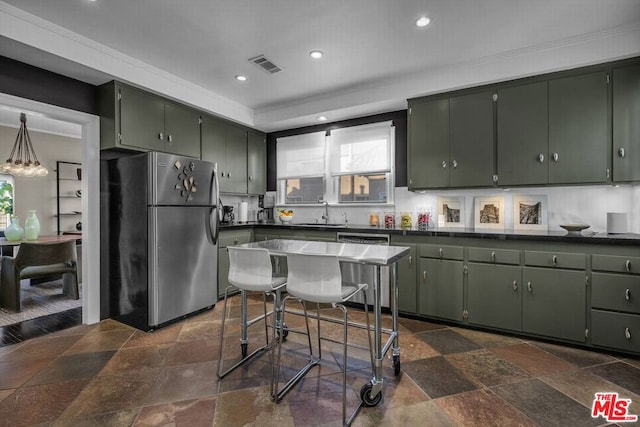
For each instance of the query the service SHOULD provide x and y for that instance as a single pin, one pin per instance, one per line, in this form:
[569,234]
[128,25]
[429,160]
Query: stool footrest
[297,377]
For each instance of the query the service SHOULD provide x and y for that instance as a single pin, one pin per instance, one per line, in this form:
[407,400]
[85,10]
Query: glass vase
[14,231]
[31,226]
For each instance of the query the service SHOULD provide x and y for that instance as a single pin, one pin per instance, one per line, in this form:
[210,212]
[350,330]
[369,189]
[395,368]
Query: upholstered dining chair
[38,260]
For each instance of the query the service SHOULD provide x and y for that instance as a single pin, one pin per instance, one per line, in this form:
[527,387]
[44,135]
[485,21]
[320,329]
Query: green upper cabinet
[226,145]
[626,123]
[451,142]
[182,130]
[578,129]
[522,134]
[471,140]
[133,119]
[428,151]
[256,163]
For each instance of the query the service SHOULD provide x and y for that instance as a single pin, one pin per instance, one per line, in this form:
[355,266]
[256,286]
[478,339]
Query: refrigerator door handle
[214,214]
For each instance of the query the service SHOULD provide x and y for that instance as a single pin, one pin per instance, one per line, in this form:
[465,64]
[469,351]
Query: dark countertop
[548,236]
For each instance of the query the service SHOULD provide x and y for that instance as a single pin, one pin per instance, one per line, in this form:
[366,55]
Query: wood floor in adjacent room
[109,374]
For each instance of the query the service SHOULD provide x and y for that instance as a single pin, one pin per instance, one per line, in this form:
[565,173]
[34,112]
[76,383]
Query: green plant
[6,198]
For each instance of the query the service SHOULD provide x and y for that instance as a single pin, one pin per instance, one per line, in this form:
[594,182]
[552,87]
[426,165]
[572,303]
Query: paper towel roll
[616,223]
[242,211]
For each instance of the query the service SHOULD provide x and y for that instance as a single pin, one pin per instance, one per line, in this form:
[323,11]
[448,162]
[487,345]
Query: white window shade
[361,149]
[301,155]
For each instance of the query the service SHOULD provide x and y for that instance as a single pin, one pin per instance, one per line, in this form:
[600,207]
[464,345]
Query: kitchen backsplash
[566,205]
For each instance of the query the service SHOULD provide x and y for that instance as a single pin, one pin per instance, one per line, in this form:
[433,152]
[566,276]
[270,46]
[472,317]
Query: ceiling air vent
[265,64]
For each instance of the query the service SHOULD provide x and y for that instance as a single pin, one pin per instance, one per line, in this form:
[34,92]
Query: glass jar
[424,217]
[406,221]
[374,219]
[389,220]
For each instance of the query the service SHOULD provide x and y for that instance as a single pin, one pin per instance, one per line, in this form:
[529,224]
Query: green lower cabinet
[554,303]
[494,296]
[615,330]
[407,292]
[441,288]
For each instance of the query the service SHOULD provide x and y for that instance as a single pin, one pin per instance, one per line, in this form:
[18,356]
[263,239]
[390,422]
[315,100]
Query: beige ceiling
[375,57]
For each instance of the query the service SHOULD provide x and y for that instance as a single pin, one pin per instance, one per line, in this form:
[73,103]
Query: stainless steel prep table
[375,255]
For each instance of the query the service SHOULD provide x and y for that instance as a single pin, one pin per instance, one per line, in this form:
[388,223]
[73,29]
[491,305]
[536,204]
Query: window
[301,168]
[6,200]
[359,167]
[361,163]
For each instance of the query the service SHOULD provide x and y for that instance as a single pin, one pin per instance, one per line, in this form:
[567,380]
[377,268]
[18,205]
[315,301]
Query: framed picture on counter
[530,213]
[451,212]
[489,212]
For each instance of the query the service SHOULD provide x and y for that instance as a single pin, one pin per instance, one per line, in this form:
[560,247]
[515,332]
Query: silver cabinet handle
[424,275]
[250,178]
[169,138]
[410,260]
[555,157]
[444,164]
[621,152]
[627,333]
[529,287]
[554,260]
[627,265]
[161,136]
[454,164]
[541,158]
[493,256]
[627,294]
[515,286]
[440,251]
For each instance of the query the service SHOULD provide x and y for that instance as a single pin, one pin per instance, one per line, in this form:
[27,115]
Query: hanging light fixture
[23,160]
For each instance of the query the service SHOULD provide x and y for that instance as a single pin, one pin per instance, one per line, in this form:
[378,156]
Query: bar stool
[250,271]
[317,279]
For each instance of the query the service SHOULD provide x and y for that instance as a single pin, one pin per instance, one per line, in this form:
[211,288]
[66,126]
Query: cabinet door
[554,303]
[441,288]
[236,179]
[141,118]
[494,296]
[223,271]
[213,143]
[522,135]
[407,294]
[471,140]
[626,123]
[578,138]
[428,151]
[182,129]
[256,163]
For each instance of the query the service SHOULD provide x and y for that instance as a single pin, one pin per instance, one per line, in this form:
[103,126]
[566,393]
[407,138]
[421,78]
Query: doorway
[90,187]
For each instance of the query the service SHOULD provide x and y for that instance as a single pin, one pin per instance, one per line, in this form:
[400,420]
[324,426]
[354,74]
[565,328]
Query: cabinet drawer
[498,256]
[620,264]
[616,292]
[441,251]
[615,330]
[555,259]
[233,239]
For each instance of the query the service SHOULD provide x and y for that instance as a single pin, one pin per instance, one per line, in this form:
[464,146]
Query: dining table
[377,256]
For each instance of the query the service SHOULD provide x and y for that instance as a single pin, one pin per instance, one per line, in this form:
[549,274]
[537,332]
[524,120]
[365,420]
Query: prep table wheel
[367,400]
[243,348]
[284,331]
[396,365]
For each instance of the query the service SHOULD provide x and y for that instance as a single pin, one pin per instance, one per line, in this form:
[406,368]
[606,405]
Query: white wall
[566,205]
[39,193]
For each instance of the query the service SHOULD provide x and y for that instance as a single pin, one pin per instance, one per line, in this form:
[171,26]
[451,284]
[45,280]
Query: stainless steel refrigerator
[162,230]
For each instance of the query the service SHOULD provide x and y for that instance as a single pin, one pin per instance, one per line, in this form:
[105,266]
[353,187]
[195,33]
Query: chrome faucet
[326,210]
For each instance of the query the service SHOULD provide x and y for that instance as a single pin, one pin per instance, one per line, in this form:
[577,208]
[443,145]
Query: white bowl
[286,218]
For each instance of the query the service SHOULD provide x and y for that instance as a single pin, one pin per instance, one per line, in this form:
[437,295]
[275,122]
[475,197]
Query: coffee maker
[227,214]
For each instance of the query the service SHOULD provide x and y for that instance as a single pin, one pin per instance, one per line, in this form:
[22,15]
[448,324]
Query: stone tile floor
[112,375]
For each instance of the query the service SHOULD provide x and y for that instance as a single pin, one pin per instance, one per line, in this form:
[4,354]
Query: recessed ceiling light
[316,54]
[423,21]
[322,118]
[241,78]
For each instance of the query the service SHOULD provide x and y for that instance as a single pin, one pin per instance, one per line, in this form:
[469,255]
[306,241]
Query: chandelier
[23,160]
